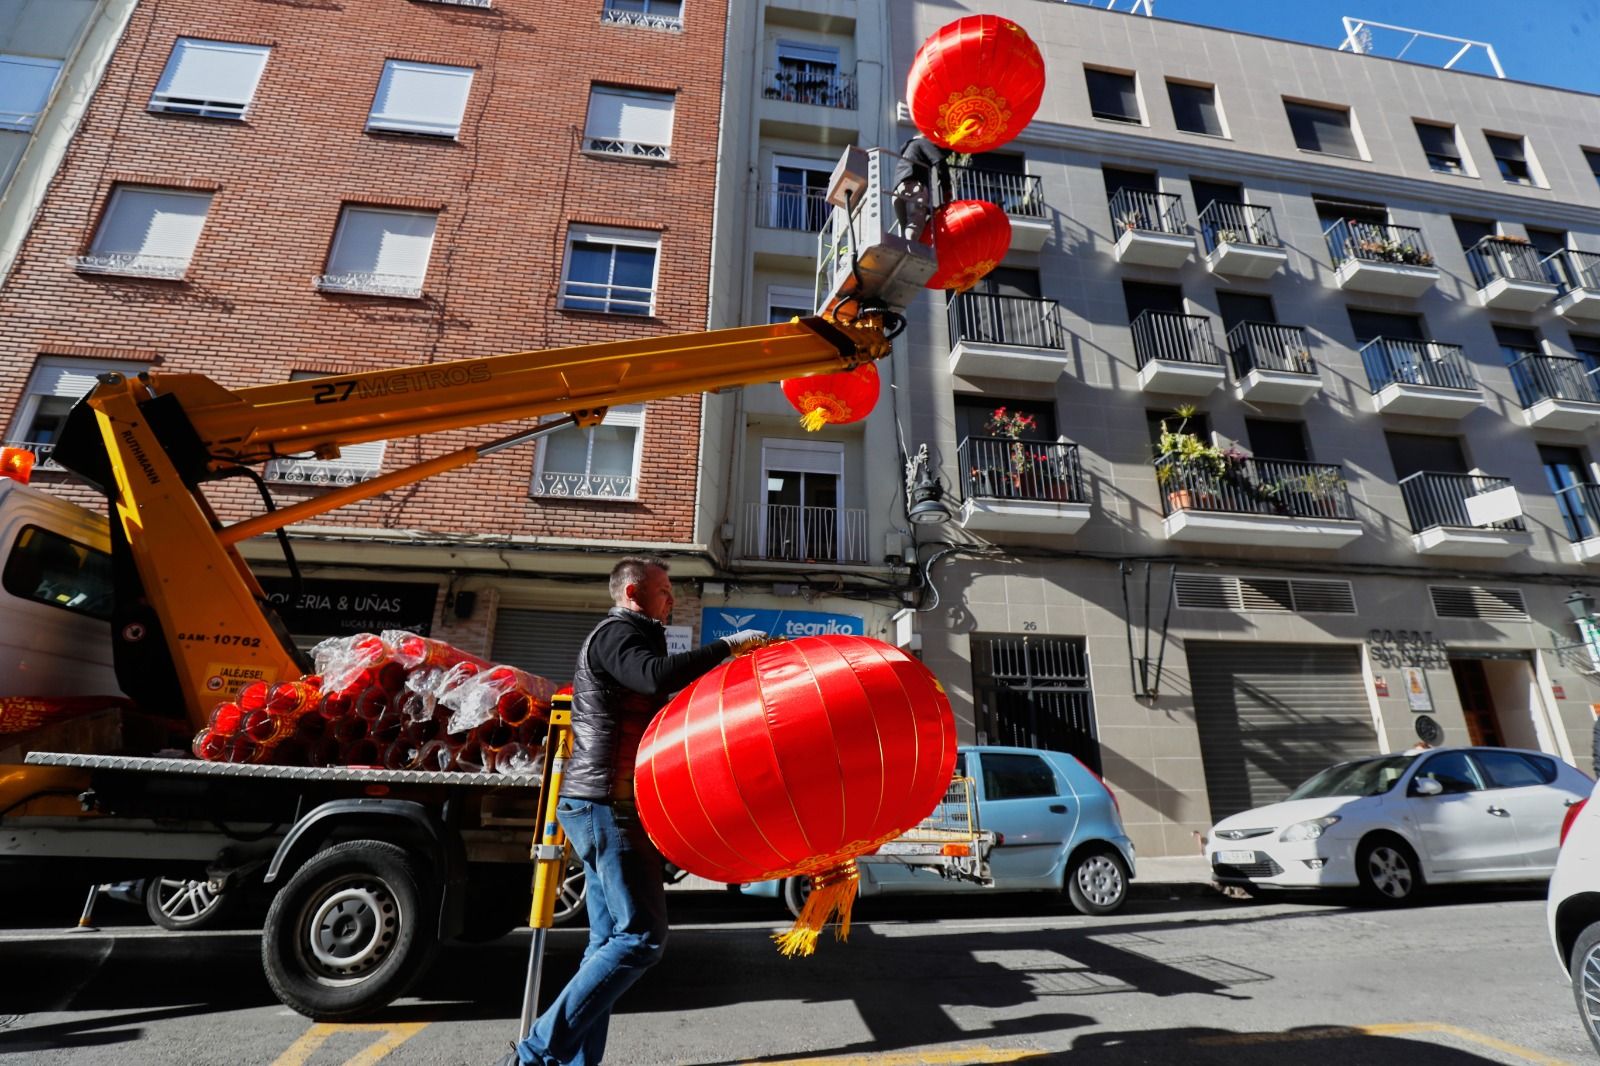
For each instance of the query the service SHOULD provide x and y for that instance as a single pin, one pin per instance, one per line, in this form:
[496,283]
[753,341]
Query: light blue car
[1057,825]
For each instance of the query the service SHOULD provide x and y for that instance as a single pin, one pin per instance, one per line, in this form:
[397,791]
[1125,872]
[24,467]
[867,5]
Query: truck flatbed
[307,774]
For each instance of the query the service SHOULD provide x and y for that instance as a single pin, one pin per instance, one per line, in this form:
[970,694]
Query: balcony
[1272,363]
[133,265]
[365,283]
[1176,353]
[1420,378]
[1509,275]
[1241,240]
[1015,337]
[1021,486]
[1464,514]
[1150,228]
[1376,257]
[788,216]
[1271,502]
[796,533]
[807,103]
[1557,392]
[803,85]
[1019,195]
[1577,278]
[1580,510]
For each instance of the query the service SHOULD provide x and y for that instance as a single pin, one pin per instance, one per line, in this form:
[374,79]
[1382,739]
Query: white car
[1573,911]
[1392,824]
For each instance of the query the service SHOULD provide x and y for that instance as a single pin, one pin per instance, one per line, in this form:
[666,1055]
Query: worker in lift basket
[922,171]
[623,677]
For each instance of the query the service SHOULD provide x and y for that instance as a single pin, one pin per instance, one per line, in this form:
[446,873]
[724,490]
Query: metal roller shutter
[542,642]
[1271,715]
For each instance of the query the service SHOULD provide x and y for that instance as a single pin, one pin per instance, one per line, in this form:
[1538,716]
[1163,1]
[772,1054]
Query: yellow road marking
[967,1056]
[1468,1035]
[300,1052]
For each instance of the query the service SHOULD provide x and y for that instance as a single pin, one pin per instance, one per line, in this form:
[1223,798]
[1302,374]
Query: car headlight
[1307,830]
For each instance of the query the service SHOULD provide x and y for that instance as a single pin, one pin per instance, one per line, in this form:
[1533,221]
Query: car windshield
[1368,777]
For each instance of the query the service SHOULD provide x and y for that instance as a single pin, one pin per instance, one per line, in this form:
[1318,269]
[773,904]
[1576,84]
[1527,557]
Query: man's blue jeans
[627,902]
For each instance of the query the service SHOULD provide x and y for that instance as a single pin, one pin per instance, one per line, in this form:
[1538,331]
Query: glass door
[1566,473]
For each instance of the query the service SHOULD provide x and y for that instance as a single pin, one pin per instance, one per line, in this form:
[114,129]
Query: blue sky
[1550,42]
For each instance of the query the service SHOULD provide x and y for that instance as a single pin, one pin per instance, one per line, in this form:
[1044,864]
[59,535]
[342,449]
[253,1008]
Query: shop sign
[679,638]
[1399,647]
[718,622]
[337,608]
[1558,691]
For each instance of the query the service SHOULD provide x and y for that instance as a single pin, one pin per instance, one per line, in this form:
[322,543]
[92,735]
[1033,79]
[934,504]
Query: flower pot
[1180,500]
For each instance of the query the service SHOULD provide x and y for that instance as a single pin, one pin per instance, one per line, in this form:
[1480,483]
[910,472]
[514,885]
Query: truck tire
[350,932]
[182,905]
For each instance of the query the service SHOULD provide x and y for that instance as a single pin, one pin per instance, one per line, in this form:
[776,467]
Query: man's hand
[746,640]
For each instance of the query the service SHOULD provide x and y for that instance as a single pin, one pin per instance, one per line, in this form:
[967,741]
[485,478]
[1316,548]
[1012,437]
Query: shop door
[1033,692]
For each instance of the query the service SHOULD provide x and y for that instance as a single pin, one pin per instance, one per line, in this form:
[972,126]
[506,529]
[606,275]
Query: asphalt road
[1466,979]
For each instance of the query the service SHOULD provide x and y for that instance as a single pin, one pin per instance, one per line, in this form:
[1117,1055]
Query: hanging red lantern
[975,83]
[970,237]
[823,399]
[795,759]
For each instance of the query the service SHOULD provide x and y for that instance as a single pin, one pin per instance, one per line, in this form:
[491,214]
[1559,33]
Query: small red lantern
[822,399]
[795,759]
[975,83]
[970,238]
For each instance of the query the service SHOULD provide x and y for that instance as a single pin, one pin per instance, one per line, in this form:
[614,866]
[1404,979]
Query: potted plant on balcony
[1324,488]
[1011,425]
[1186,466]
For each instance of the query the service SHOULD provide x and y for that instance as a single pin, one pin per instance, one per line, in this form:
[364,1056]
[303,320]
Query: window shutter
[630,116]
[212,72]
[1506,147]
[1438,140]
[421,98]
[368,456]
[816,55]
[71,382]
[153,223]
[803,460]
[394,243]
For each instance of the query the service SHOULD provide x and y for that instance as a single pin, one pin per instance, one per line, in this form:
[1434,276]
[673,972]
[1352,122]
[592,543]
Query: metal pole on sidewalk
[549,854]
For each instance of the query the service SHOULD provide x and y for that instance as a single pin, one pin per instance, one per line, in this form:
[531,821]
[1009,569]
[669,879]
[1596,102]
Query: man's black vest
[608,720]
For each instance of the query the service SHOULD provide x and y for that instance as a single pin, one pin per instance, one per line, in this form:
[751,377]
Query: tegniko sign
[721,621]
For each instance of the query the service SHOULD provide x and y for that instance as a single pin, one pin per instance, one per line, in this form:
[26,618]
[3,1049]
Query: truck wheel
[350,932]
[1097,883]
[182,905]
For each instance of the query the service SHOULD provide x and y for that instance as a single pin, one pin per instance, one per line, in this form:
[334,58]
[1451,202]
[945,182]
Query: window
[1208,192]
[808,73]
[147,232]
[1194,108]
[802,517]
[1318,128]
[974,412]
[609,270]
[1547,242]
[25,84]
[1592,157]
[599,462]
[1413,453]
[1330,211]
[1016,776]
[420,98]
[1511,153]
[1587,349]
[1454,770]
[629,122]
[1369,325]
[48,568]
[1516,342]
[54,386]
[1469,231]
[1439,144]
[797,198]
[380,251]
[1512,769]
[356,462]
[786,303]
[213,79]
[1271,439]
[652,14]
[1113,96]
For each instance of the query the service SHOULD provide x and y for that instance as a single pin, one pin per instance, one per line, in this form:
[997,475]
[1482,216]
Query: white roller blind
[211,73]
[156,223]
[421,98]
[376,241]
[630,115]
[798,458]
[67,380]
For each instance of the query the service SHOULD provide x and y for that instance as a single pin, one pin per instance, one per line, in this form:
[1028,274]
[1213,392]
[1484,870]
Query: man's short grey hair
[632,570]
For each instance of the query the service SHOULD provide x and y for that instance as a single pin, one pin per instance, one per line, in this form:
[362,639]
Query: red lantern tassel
[833,891]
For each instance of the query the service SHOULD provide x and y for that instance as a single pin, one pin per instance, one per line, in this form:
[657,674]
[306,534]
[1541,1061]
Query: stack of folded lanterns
[394,700]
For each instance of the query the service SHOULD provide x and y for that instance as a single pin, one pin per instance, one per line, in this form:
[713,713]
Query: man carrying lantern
[623,677]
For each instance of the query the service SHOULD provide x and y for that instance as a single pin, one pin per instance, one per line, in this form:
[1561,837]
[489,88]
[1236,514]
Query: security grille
[1034,692]
[542,642]
[1222,592]
[1478,601]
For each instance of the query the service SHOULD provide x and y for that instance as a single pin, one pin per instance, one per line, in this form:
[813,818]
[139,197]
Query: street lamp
[924,491]
[1581,604]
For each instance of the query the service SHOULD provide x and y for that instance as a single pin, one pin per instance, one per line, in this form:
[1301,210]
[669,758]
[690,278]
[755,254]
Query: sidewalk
[1170,876]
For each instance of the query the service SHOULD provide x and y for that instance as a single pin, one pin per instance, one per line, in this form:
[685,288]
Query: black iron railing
[791,206]
[1137,209]
[1580,509]
[1269,346]
[1435,499]
[1226,223]
[1408,362]
[1553,377]
[1255,486]
[1017,194]
[982,318]
[1179,338]
[1503,257]
[1572,269]
[1007,469]
[797,533]
[801,85]
[1376,242]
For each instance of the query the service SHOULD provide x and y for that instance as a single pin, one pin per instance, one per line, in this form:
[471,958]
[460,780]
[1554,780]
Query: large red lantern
[975,83]
[970,237]
[795,759]
[823,399]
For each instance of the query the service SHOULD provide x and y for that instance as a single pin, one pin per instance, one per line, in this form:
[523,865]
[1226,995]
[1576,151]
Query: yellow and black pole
[549,852]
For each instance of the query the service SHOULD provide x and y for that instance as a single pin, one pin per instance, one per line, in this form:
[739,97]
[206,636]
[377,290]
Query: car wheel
[1388,871]
[183,905]
[1585,969]
[350,932]
[572,895]
[1097,883]
[796,890]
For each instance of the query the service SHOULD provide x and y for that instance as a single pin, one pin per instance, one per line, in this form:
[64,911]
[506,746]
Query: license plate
[1236,858]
